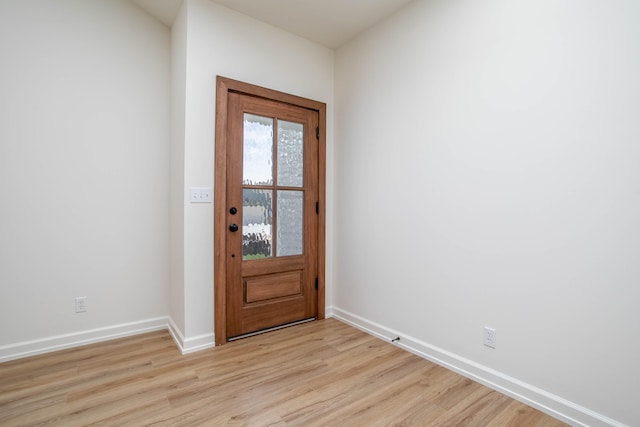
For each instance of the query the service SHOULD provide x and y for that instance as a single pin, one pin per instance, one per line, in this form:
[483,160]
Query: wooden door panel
[271,315]
[224,271]
[273,265]
[269,288]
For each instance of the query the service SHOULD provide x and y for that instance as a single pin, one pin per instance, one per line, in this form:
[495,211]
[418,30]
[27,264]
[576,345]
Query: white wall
[487,174]
[84,146]
[223,42]
[176,170]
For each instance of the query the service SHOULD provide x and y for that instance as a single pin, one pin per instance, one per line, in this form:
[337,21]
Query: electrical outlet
[490,337]
[81,304]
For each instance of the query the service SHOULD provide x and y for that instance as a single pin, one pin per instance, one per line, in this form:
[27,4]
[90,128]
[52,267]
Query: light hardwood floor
[323,373]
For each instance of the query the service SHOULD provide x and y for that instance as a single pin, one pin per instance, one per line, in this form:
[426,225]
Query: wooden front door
[271,213]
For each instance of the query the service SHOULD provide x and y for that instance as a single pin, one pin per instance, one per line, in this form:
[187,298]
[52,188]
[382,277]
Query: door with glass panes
[272,191]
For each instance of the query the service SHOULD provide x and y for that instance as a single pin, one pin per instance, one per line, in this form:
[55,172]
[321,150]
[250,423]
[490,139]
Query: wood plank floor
[323,373]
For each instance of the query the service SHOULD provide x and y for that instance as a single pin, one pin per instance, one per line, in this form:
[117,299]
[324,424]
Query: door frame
[223,87]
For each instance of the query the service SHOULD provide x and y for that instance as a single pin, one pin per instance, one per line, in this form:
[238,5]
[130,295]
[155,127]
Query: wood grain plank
[315,374]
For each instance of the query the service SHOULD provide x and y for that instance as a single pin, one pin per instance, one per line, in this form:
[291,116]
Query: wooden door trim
[223,87]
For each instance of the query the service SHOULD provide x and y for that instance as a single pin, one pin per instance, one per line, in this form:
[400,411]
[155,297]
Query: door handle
[233,228]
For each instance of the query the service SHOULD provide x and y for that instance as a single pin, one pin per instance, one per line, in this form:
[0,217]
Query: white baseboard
[191,344]
[549,403]
[328,311]
[60,342]
[76,339]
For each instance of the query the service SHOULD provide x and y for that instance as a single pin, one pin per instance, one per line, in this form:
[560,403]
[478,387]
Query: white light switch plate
[201,195]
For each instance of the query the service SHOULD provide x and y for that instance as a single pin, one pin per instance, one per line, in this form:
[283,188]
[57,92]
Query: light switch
[201,195]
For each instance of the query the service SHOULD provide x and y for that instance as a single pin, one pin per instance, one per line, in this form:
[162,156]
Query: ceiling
[163,10]
[328,22]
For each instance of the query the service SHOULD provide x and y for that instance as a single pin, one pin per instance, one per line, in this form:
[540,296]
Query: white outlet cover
[490,337]
[201,195]
[81,304]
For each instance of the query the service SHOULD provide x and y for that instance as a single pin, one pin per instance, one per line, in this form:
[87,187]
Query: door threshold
[275,328]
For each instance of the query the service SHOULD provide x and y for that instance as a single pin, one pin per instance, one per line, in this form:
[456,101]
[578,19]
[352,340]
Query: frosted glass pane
[257,214]
[257,151]
[290,221]
[290,154]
